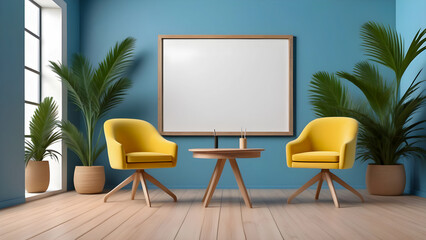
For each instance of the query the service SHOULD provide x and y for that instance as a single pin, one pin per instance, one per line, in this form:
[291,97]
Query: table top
[226,153]
[216,150]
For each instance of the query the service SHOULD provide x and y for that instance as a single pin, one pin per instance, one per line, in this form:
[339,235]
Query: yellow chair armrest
[347,154]
[162,145]
[299,145]
[116,154]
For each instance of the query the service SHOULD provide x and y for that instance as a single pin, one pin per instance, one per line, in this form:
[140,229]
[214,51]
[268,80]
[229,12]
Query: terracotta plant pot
[89,179]
[385,180]
[37,176]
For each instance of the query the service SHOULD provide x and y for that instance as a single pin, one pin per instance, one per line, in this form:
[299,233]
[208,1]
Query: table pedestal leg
[213,181]
[210,183]
[240,182]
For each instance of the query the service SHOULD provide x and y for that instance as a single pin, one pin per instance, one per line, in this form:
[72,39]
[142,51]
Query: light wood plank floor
[73,216]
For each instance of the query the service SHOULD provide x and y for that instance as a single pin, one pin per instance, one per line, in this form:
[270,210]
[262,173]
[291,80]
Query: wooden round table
[221,154]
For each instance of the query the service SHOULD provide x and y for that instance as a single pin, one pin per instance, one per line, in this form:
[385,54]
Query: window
[32,60]
[45,41]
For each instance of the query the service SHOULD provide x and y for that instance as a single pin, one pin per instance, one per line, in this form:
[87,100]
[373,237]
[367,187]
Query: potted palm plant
[388,130]
[43,133]
[94,92]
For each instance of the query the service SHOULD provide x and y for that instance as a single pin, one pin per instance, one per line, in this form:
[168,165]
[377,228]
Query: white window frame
[49,83]
[29,68]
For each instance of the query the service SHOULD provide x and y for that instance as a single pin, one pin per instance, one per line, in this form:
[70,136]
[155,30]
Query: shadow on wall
[137,64]
[127,108]
[294,86]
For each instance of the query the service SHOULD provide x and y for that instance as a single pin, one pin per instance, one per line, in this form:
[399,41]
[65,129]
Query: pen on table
[216,141]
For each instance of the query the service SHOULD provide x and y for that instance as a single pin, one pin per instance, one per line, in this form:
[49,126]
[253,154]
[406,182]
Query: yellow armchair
[136,144]
[325,143]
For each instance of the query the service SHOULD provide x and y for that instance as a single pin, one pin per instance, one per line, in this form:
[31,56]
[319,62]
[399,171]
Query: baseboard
[420,193]
[11,202]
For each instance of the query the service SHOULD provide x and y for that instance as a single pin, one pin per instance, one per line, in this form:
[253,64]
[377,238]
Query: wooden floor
[73,216]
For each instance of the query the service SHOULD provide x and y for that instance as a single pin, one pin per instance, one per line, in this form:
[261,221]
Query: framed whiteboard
[227,83]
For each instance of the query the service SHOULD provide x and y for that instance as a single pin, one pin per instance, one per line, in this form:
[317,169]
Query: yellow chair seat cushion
[142,157]
[316,156]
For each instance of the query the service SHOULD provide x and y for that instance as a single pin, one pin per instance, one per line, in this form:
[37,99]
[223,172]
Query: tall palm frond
[94,92]
[407,129]
[113,95]
[43,132]
[330,100]
[114,65]
[377,91]
[75,140]
[371,133]
[386,47]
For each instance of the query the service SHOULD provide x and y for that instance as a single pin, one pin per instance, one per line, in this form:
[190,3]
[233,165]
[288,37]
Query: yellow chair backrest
[329,134]
[135,135]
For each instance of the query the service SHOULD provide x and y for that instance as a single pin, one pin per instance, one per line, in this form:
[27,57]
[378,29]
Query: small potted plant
[94,92]
[43,133]
[388,129]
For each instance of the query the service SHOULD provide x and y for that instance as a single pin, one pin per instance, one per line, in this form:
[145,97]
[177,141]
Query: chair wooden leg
[135,185]
[344,184]
[145,188]
[331,187]
[319,185]
[215,180]
[158,184]
[240,182]
[120,186]
[304,187]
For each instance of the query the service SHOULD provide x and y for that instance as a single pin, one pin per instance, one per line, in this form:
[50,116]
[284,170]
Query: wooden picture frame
[162,38]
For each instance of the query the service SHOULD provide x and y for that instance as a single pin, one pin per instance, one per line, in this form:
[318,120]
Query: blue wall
[327,38]
[410,18]
[12,187]
[73,28]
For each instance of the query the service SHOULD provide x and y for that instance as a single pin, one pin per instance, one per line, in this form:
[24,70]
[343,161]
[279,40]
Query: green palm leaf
[43,132]
[114,65]
[328,96]
[386,47]
[75,141]
[368,79]
[113,95]
[75,92]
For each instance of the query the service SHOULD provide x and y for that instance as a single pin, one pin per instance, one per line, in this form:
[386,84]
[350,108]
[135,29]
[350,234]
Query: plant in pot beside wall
[94,92]
[44,132]
[388,130]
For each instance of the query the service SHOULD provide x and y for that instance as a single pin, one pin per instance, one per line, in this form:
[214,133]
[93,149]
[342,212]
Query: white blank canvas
[226,84]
